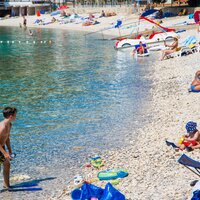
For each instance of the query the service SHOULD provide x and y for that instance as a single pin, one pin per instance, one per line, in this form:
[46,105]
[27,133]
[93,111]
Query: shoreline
[105,22]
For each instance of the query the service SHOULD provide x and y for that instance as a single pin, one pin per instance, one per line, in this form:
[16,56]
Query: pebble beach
[154,172]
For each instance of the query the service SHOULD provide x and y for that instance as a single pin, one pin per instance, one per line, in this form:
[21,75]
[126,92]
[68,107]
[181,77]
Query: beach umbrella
[62,7]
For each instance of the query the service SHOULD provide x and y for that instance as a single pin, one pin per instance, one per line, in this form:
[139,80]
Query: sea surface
[76,97]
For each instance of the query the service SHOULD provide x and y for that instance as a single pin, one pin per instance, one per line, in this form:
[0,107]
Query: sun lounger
[189,40]
[182,51]
[190,164]
[188,46]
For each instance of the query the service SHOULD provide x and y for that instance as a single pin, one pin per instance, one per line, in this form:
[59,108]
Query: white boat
[153,38]
[164,34]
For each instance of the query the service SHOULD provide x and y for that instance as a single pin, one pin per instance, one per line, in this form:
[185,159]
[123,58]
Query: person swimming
[30,32]
[141,49]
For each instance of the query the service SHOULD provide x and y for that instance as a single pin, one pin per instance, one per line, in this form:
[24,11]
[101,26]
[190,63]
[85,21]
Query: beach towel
[189,40]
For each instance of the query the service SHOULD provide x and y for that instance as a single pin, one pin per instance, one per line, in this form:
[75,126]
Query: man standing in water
[24,22]
[5,157]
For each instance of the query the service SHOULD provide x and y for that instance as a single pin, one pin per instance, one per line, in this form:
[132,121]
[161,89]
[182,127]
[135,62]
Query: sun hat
[191,126]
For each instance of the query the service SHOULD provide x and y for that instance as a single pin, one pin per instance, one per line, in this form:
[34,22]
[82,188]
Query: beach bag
[110,193]
[196,195]
[89,191]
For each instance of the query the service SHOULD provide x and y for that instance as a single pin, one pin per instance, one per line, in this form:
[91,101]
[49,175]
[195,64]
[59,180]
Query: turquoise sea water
[76,91]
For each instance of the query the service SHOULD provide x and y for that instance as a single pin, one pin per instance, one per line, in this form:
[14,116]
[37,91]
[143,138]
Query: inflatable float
[112,174]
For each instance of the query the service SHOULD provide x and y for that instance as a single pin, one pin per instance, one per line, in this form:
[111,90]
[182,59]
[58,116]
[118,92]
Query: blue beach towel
[189,40]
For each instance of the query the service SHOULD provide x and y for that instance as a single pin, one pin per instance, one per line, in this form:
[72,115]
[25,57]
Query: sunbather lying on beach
[195,85]
[191,140]
[174,47]
[110,14]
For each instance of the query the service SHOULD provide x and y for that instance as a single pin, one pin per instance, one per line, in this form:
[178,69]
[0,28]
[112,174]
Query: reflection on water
[74,92]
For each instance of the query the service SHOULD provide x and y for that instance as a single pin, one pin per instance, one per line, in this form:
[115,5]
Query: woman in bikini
[174,47]
[195,85]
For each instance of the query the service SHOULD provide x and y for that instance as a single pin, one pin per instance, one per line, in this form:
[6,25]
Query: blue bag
[89,191]
[76,194]
[196,195]
[110,193]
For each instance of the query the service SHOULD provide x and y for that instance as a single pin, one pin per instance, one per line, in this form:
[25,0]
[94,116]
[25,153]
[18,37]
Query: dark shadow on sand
[28,186]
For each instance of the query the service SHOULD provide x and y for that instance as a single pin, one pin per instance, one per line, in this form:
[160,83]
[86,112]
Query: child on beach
[191,140]
[5,157]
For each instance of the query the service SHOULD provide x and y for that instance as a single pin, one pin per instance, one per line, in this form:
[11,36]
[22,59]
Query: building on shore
[23,7]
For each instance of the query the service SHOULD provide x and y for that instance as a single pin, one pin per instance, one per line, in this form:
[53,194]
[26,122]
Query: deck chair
[186,47]
[182,51]
[189,40]
[190,164]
